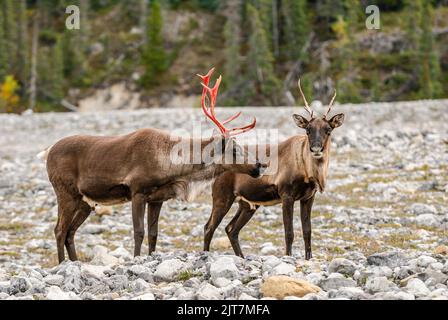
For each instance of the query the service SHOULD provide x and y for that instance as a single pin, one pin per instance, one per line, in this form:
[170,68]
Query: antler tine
[331,103]
[236,131]
[307,107]
[210,111]
[232,118]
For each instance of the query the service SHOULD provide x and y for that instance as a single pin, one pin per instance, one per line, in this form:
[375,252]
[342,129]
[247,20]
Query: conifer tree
[296,27]
[22,63]
[430,67]
[57,78]
[3,55]
[10,32]
[154,56]
[260,61]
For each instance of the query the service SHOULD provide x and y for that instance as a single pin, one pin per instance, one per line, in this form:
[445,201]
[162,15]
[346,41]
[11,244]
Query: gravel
[379,229]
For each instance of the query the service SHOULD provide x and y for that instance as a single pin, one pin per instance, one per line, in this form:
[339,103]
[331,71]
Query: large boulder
[224,267]
[283,286]
[343,266]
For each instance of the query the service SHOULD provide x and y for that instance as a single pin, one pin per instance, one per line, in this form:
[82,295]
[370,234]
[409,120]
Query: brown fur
[85,170]
[298,177]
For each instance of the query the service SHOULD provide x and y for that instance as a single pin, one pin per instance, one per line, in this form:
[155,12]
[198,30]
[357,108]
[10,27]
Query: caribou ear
[337,120]
[300,121]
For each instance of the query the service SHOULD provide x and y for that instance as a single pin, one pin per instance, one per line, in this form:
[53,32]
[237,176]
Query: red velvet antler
[210,112]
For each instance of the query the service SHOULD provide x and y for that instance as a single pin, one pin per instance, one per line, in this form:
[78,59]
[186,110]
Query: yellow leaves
[340,29]
[8,97]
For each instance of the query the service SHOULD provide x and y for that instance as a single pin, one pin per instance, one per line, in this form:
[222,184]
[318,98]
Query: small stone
[224,267]
[343,266]
[351,293]
[92,271]
[390,259]
[54,280]
[19,284]
[417,287]
[427,220]
[102,257]
[442,249]
[121,252]
[421,208]
[138,285]
[146,296]
[424,261]
[94,229]
[55,293]
[400,295]
[169,270]
[336,282]
[221,282]
[268,248]
[283,269]
[208,292]
[245,296]
[270,262]
[280,287]
[379,284]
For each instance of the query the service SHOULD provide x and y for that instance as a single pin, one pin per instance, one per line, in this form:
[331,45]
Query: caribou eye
[308,130]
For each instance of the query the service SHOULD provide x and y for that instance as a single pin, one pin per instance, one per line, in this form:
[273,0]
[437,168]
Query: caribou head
[228,153]
[318,129]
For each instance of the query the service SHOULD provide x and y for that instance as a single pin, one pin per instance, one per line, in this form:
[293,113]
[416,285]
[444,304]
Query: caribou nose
[316,149]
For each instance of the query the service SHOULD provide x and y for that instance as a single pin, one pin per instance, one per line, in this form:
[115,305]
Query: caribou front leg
[288,214]
[305,215]
[138,215]
[153,224]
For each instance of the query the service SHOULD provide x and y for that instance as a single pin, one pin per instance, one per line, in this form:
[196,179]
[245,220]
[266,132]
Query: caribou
[89,170]
[302,165]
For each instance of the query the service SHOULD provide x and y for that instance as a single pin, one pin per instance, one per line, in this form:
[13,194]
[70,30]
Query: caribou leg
[138,215]
[81,215]
[220,209]
[242,217]
[153,224]
[67,206]
[305,215]
[288,214]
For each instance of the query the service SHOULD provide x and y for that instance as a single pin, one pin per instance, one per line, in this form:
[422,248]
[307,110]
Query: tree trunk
[275,28]
[33,80]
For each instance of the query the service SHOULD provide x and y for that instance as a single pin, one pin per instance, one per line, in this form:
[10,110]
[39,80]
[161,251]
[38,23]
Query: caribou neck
[316,169]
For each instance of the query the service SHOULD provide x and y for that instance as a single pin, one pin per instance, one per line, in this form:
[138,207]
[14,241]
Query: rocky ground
[380,230]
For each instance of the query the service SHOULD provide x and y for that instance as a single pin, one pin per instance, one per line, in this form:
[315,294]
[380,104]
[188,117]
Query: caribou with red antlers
[302,170]
[137,167]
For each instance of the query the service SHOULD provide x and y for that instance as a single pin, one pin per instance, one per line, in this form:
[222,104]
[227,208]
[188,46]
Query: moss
[16,226]
[188,274]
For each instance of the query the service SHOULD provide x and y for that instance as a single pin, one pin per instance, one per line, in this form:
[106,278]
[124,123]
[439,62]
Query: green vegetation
[260,46]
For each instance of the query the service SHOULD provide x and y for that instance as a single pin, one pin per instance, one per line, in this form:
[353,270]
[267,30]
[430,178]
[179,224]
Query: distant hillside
[145,53]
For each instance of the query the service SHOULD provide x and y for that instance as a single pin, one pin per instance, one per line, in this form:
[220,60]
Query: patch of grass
[16,226]
[188,274]
[10,254]
[401,240]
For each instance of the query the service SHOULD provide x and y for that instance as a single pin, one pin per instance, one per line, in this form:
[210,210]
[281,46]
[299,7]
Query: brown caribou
[302,165]
[89,170]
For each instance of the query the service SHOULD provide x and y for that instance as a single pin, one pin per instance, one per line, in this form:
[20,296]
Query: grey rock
[417,287]
[343,266]
[19,284]
[379,284]
[428,220]
[169,270]
[349,293]
[336,282]
[208,292]
[224,267]
[390,259]
[422,208]
[117,283]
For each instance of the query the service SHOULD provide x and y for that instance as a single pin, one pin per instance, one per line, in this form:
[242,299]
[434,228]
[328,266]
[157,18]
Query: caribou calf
[302,170]
[90,170]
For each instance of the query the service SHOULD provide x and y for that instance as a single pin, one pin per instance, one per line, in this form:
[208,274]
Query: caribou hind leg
[81,215]
[67,207]
[242,217]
